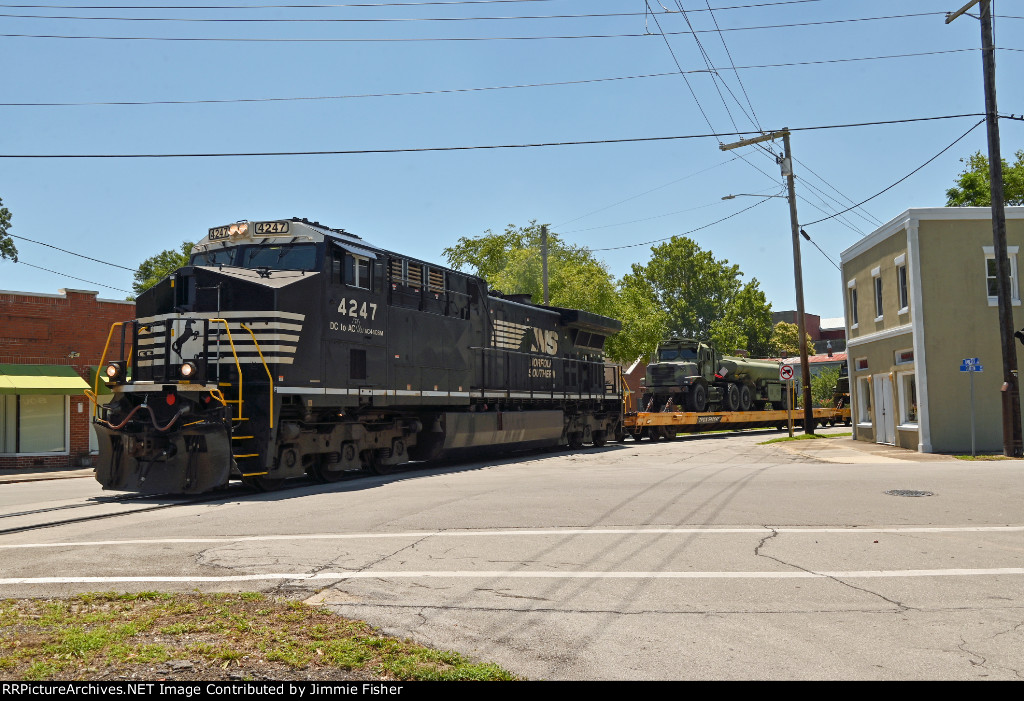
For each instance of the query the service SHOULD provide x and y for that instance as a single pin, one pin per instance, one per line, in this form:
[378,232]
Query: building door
[885,418]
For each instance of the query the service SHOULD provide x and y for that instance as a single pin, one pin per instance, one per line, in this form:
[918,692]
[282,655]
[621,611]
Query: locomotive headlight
[188,370]
[114,371]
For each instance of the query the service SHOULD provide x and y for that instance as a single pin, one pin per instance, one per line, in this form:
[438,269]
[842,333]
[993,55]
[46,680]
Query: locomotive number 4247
[352,308]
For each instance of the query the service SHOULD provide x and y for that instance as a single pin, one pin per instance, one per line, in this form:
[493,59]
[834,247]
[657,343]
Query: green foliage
[973,186]
[7,249]
[511,262]
[156,268]
[784,341]
[701,297]
[823,387]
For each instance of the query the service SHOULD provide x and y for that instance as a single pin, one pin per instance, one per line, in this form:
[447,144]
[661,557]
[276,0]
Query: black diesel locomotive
[287,348]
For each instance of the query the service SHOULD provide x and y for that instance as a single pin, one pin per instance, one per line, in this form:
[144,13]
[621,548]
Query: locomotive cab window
[220,256]
[357,271]
[286,257]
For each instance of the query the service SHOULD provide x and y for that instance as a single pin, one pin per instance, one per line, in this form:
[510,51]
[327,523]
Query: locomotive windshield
[677,354]
[301,256]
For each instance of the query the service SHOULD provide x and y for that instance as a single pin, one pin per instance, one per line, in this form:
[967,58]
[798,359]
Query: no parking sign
[785,372]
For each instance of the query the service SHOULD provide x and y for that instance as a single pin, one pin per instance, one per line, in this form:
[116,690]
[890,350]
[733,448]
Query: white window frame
[901,385]
[851,295]
[67,437]
[902,284]
[897,359]
[1011,253]
[864,418]
[876,286]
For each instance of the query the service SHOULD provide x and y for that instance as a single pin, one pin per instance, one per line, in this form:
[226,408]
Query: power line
[686,233]
[715,135]
[282,40]
[955,142]
[72,277]
[337,5]
[96,260]
[460,90]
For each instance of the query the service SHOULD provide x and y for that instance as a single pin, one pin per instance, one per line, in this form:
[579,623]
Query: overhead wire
[461,90]
[425,149]
[955,142]
[336,5]
[457,39]
[72,277]
[80,255]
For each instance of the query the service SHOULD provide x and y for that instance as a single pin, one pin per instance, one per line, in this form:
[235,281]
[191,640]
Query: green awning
[40,379]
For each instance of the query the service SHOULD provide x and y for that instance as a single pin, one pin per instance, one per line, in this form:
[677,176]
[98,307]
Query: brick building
[50,346]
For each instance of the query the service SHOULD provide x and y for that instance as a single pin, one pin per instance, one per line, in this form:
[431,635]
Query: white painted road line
[523,532]
[495,574]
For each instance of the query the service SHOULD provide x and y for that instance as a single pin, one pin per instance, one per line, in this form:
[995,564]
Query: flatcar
[288,348]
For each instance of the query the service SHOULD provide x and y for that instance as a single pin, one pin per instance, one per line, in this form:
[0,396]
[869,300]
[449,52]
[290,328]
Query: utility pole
[544,259]
[787,171]
[1013,445]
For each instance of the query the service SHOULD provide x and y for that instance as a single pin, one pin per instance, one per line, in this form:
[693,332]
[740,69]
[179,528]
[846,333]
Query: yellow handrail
[269,376]
[238,365]
[99,369]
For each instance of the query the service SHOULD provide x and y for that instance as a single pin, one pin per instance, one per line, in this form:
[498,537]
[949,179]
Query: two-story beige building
[921,298]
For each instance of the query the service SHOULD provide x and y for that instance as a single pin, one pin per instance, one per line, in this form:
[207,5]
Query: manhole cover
[909,493]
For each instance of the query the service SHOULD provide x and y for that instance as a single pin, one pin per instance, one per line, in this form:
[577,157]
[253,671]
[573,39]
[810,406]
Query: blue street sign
[970,365]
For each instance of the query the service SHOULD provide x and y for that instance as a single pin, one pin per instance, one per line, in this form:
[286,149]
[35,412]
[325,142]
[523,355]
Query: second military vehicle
[690,375]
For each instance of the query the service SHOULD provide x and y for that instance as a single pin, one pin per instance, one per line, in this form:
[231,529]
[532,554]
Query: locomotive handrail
[103,360]
[238,365]
[269,376]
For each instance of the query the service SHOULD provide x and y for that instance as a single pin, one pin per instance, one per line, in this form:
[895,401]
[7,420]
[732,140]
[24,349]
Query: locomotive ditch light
[188,370]
[114,372]
[193,371]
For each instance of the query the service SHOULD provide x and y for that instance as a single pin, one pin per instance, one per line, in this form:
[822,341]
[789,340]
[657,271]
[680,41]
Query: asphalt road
[705,558]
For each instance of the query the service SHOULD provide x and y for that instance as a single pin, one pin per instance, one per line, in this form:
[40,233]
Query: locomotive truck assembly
[288,348]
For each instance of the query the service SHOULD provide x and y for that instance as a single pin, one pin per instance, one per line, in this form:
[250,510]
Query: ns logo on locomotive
[287,348]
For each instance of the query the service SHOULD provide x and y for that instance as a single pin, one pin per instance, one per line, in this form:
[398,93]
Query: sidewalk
[40,474]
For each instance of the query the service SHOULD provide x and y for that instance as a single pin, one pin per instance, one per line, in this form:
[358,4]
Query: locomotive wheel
[575,440]
[697,399]
[599,439]
[318,471]
[372,462]
[731,400]
[746,398]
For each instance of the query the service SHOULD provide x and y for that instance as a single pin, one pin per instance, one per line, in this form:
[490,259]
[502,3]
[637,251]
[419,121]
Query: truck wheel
[731,400]
[698,397]
[746,398]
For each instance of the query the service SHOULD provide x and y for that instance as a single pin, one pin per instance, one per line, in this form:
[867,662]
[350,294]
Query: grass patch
[193,637]
[984,457]
[806,437]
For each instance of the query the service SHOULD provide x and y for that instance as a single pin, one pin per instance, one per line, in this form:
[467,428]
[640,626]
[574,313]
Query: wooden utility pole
[1013,445]
[787,171]
[544,259]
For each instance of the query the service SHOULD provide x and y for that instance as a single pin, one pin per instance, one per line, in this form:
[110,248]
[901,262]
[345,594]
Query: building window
[908,398]
[852,285]
[903,357]
[876,278]
[992,276]
[864,400]
[901,286]
[33,424]
[860,364]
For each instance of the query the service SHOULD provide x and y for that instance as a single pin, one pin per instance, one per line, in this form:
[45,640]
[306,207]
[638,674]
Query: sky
[435,116]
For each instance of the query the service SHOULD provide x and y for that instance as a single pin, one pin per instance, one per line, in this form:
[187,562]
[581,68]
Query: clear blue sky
[600,195]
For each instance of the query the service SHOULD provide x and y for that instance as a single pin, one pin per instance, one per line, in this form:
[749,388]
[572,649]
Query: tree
[7,249]
[785,341]
[823,386]
[156,268]
[974,189]
[511,262]
[702,297]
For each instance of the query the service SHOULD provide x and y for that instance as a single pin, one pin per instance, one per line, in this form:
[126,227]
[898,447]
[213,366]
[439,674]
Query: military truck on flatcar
[690,375]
